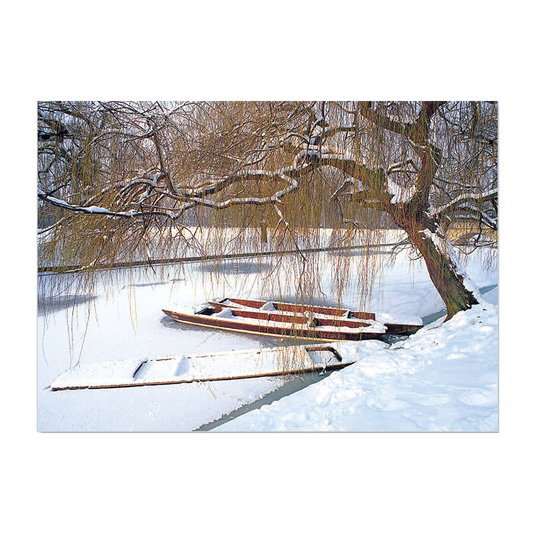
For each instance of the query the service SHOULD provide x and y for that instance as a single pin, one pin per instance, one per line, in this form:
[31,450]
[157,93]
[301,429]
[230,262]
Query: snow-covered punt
[292,320]
[207,367]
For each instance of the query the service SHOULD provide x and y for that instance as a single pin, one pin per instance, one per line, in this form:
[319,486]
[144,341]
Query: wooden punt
[221,366]
[288,320]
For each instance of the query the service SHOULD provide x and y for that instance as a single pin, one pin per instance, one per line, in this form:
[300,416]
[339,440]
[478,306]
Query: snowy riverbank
[444,378]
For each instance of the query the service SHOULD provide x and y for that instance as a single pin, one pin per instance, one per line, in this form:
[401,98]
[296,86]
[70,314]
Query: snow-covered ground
[444,378]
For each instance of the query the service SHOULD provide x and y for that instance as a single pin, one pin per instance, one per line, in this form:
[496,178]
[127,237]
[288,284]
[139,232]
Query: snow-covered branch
[464,198]
[90,210]
[224,204]
[188,198]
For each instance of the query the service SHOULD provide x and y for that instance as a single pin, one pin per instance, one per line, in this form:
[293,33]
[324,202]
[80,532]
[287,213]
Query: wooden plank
[201,380]
[402,329]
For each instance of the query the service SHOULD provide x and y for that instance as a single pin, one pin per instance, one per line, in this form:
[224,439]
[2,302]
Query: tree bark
[442,268]
[412,216]
[413,219]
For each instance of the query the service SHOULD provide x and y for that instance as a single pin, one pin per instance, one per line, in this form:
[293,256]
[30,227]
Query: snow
[111,335]
[404,318]
[93,209]
[97,210]
[424,385]
[227,314]
[400,194]
[443,378]
[97,373]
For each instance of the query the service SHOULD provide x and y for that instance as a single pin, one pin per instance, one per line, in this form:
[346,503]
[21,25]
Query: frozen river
[122,319]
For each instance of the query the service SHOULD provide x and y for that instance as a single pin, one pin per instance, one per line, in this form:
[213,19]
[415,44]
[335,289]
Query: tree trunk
[443,271]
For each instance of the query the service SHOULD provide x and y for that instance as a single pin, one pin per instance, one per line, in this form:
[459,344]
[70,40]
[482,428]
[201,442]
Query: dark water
[292,385]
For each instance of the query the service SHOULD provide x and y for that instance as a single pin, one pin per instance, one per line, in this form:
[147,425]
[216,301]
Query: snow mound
[188,309]
[225,313]
[403,318]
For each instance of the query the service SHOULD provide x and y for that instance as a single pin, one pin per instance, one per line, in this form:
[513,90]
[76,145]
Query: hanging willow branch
[142,171]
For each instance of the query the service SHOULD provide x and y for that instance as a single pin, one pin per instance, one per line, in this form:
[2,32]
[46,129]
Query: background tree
[124,177]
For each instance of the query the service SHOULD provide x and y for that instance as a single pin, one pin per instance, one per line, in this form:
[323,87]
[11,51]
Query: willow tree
[118,176]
